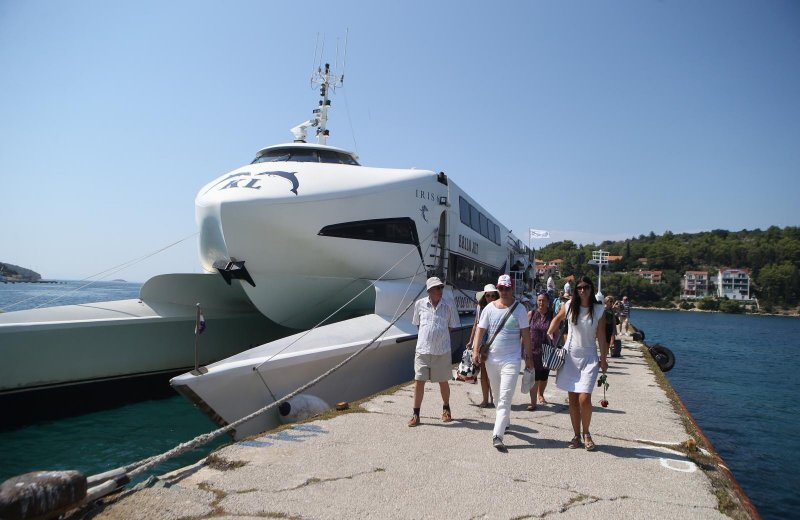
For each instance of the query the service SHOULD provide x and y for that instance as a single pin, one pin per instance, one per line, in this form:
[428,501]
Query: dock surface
[372,465]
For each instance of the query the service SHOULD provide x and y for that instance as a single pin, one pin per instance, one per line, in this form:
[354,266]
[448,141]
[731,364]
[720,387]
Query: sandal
[575,442]
[589,442]
[531,407]
[542,400]
[483,405]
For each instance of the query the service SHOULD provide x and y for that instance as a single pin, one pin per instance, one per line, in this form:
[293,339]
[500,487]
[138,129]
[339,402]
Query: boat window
[475,219]
[497,234]
[463,206]
[305,155]
[401,230]
[484,226]
[467,274]
[491,231]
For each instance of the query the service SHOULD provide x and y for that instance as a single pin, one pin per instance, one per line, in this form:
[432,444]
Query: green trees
[772,256]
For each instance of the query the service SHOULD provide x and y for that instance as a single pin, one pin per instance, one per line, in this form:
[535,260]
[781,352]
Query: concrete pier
[371,465]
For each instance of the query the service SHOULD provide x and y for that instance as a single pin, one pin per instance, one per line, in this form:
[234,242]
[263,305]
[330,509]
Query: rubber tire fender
[663,357]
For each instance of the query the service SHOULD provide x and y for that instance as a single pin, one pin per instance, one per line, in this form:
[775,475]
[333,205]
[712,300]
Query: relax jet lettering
[245,180]
[467,245]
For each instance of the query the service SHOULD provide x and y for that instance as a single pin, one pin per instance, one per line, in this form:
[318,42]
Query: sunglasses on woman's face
[583,287]
[492,295]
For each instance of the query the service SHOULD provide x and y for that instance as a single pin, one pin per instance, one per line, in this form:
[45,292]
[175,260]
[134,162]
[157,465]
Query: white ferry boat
[312,236]
[307,255]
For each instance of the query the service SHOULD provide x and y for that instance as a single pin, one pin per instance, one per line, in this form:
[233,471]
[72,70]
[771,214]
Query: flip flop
[531,407]
[542,400]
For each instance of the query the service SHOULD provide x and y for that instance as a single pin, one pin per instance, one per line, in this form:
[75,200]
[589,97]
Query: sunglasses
[492,295]
[503,288]
[583,287]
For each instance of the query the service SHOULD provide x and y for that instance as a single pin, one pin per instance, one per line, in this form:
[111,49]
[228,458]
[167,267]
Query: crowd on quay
[509,332]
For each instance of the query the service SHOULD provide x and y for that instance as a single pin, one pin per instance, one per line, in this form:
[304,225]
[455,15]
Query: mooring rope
[109,481]
[141,466]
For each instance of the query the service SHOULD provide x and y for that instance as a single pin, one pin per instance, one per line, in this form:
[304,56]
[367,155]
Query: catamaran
[319,242]
[307,254]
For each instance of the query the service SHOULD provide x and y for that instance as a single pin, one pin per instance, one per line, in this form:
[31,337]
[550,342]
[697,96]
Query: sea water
[737,375]
[100,441]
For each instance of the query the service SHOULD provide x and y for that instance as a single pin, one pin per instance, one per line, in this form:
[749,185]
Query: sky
[593,120]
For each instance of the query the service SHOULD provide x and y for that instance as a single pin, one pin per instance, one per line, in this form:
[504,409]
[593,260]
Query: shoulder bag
[553,356]
[485,347]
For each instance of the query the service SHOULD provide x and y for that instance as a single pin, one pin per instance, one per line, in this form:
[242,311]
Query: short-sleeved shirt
[434,326]
[506,344]
[626,309]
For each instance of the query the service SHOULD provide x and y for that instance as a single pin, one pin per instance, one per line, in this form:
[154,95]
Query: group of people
[506,332]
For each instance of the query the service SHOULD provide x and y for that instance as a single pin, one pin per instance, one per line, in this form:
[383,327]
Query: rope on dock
[137,468]
[109,481]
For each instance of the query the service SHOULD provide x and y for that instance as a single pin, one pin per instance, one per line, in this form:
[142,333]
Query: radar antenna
[328,80]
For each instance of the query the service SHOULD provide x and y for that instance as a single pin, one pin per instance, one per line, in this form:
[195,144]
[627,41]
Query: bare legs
[419,393]
[537,392]
[580,412]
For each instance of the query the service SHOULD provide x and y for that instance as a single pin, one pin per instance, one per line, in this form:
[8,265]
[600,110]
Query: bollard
[41,494]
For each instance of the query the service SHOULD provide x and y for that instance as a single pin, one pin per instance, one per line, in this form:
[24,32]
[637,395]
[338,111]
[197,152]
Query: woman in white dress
[578,376]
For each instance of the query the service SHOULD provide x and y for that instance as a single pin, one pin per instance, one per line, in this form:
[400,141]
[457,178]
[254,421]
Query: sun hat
[432,282]
[489,287]
[504,281]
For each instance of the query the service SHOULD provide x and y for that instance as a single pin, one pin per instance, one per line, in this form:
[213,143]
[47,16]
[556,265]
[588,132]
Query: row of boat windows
[473,218]
[305,155]
[468,274]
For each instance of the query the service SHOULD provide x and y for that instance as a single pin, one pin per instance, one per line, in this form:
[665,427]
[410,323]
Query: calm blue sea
[744,401]
[737,376]
[100,441]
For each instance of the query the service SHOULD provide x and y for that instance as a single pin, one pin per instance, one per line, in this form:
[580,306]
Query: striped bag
[553,357]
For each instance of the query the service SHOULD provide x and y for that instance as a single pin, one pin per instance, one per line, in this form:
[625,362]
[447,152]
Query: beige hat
[489,287]
[432,282]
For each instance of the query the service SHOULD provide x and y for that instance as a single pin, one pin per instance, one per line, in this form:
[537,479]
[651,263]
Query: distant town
[729,271]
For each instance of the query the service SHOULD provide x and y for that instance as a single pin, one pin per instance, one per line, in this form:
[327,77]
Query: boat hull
[109,347]
[238,386]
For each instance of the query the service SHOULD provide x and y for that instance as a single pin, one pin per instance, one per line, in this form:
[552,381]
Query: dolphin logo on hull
[289,176]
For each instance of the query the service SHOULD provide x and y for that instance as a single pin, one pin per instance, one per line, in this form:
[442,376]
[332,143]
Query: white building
[733,283]
[695,284]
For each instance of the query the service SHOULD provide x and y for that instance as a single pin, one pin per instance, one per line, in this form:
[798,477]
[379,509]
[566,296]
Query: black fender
[663,357]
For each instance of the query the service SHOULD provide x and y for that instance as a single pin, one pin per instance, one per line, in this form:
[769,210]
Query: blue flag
[201,324]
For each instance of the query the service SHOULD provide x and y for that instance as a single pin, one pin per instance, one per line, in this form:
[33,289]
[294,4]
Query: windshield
[305,155]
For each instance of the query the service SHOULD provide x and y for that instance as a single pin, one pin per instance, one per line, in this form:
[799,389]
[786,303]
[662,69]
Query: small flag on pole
[200,326]
[539,233]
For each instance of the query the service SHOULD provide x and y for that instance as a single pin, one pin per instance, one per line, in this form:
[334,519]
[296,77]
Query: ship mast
[327,80]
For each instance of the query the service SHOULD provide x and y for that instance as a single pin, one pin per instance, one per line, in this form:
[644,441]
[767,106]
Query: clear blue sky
[594,120]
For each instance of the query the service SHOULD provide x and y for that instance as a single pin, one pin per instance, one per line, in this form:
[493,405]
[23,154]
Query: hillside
[772,256]
[12,271]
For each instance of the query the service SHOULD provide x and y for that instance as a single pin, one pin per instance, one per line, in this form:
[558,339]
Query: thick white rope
[139,467]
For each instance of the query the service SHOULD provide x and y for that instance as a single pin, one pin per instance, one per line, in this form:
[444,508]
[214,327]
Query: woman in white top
[502,363]
[579,374]
[488,295]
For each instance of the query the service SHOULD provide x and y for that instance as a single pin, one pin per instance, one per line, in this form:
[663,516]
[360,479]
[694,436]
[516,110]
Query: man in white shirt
[432,361]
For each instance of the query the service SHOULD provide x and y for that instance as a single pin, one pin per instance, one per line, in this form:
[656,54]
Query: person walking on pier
[585,329]
[625,315]
[488,295]
[502,362]
[432,361]
[539,319]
